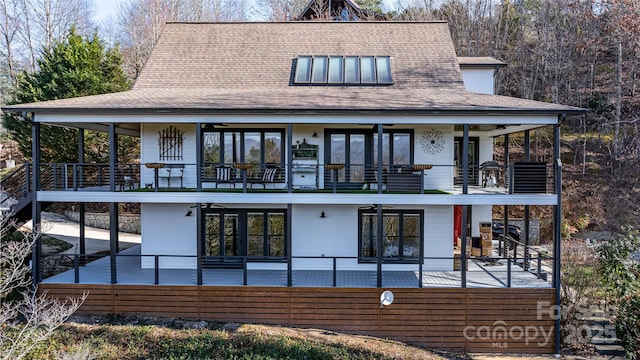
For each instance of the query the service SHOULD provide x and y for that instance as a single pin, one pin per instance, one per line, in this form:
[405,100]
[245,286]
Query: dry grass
[160,338]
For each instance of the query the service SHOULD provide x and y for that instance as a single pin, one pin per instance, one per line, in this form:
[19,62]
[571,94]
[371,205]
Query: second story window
[343,70]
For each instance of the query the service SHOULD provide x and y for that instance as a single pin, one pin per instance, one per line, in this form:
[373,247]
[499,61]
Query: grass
[179,339]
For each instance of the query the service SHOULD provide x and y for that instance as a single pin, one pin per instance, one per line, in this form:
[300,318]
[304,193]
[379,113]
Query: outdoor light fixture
[386,298]
[322,215]
[315,134]
[189,212]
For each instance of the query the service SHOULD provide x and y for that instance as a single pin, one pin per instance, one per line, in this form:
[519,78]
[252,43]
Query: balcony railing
[515,178]
[329,271]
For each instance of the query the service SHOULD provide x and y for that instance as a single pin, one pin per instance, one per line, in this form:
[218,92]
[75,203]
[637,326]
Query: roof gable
[341,10]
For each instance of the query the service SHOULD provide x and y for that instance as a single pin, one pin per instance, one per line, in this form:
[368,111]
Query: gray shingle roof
[247,67]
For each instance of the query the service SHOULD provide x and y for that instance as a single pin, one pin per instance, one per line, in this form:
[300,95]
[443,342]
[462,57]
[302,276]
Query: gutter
[280,111]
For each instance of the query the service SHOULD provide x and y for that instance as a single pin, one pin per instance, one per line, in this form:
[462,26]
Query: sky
[106,10]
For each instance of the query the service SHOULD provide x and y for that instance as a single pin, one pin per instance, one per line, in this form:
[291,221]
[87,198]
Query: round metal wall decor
[432,141]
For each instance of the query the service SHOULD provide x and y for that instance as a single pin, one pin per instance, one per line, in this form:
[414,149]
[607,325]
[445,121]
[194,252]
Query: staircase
[15,196]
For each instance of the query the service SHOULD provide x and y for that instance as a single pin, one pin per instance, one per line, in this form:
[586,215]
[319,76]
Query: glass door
[354,151]
[473,160]
[222,239]
[230,235]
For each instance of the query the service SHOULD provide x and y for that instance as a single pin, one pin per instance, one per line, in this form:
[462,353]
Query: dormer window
[343,70]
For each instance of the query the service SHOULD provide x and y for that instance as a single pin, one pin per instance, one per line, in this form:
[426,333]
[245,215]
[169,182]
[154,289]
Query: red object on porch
[457,224]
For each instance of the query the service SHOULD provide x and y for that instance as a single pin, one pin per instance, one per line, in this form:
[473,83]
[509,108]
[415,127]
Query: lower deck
[463,319]
[481,273]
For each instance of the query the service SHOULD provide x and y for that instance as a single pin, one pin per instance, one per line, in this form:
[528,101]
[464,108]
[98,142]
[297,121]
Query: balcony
[515,178]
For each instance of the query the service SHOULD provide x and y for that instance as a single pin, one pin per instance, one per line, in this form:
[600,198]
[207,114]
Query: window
[319,72]
[352,70]
[343,70]
[230,234]
[335,70]
[367,70]
[402,235]
[358,151]
[303,69]
[229,146]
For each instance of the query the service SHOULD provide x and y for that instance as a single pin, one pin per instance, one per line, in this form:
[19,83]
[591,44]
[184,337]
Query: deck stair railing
[15,193]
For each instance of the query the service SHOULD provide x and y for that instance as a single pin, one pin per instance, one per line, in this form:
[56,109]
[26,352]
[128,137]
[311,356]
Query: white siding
[438,237]
[478,80]
[167,231]
[479,213]
[150,153]
[441,175]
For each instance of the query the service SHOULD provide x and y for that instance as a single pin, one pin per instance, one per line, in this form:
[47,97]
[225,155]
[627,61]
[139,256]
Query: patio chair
[224,175]
[269,176]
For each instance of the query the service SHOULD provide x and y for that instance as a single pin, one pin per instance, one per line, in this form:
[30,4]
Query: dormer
[478,73]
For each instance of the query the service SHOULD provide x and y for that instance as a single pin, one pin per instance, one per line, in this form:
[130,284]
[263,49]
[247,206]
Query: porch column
[465,159]
[35,204]
[200,242]
[527,211]
[288,247]
[507,169]
[379,169]
[199,170]
[289,157]
[113,156]
[557,223]
[465,208]
[81,207]
[380,234]
[113,239]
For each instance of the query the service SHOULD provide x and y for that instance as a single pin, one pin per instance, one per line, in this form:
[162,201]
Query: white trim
[506,119]
[297,198]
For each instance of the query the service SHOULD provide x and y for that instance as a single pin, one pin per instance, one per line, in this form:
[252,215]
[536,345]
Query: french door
[357,150]
[231,235]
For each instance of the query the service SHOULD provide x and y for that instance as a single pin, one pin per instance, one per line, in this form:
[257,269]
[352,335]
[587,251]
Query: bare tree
[29,27]
[140,23]
[29,318]
[280,10]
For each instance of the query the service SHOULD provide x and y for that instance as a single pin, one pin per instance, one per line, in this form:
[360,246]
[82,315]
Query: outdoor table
[244,167]
[155,167]
[335,168]
[422,168]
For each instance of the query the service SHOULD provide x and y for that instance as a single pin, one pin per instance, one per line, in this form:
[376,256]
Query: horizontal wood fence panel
[475,320]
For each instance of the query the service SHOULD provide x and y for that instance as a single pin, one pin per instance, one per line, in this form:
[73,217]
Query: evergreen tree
[371,5]
[73,67]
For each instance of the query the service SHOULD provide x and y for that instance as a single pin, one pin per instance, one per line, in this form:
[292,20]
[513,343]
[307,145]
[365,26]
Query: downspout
[557,251]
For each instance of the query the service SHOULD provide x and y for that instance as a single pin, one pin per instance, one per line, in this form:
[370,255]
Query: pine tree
[73,67]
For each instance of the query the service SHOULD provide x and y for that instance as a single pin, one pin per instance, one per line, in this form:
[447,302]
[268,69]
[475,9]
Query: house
[290,172]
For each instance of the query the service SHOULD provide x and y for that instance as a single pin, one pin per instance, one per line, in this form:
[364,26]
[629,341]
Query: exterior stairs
[15,196]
